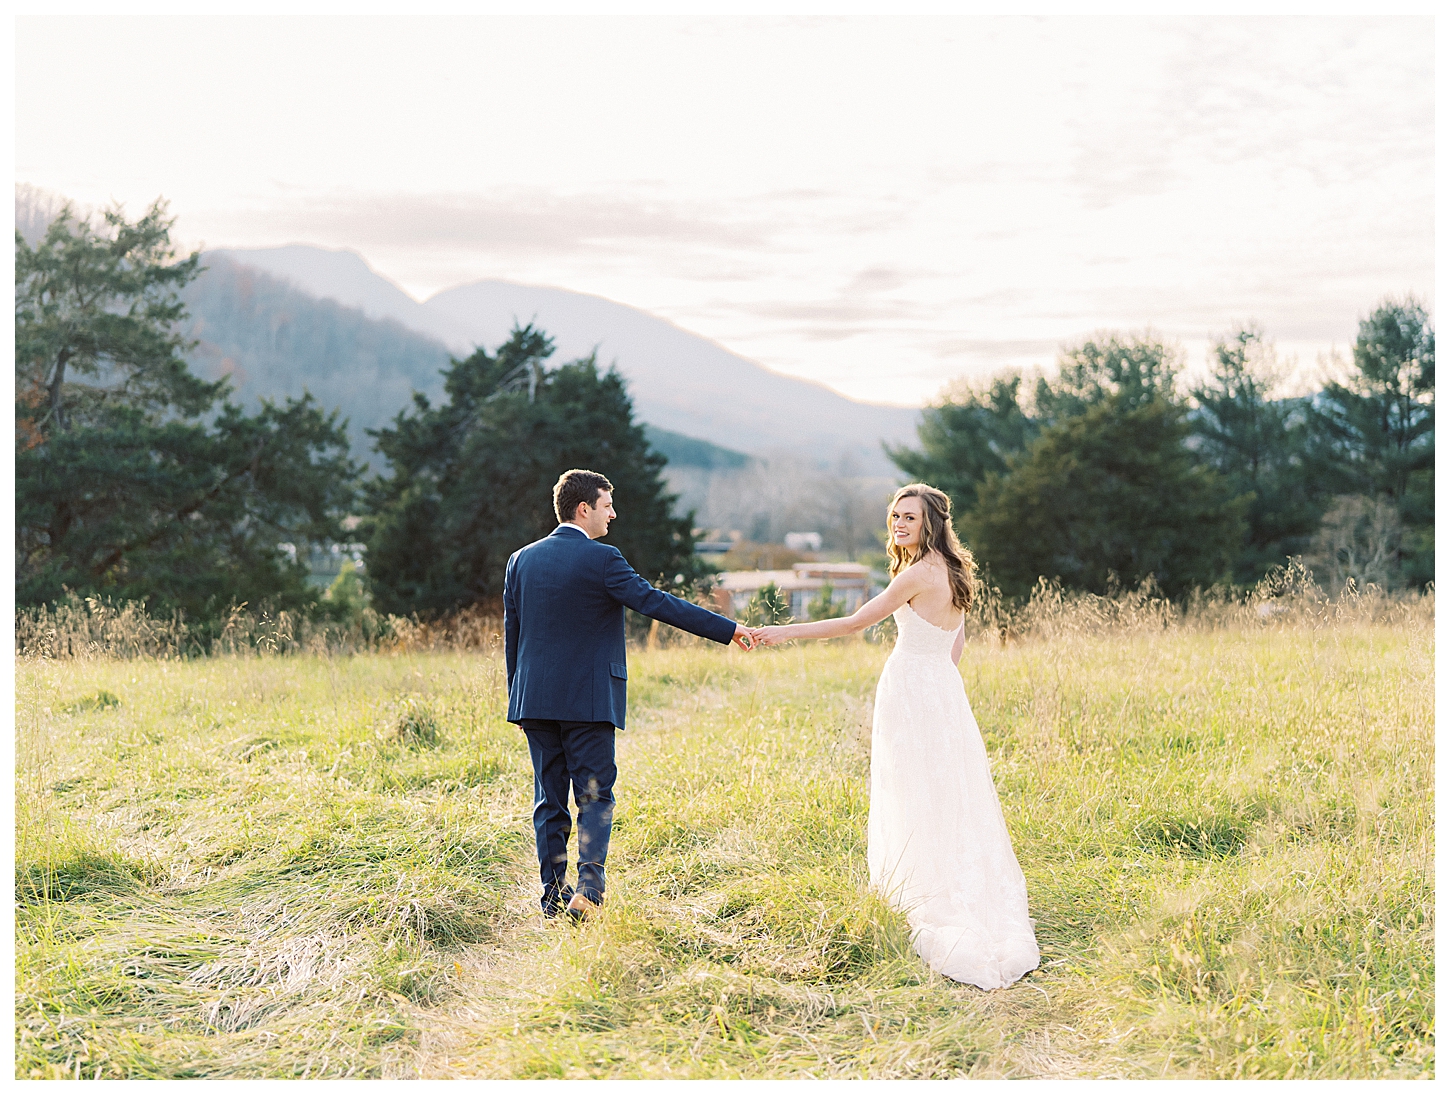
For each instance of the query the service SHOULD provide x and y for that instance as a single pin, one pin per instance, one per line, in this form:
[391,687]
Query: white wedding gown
[936,841]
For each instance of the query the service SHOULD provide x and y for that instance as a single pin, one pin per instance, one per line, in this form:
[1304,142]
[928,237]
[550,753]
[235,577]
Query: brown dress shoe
[581,908]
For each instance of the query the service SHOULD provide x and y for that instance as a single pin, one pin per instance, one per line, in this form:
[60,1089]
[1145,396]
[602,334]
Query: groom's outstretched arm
[629,589]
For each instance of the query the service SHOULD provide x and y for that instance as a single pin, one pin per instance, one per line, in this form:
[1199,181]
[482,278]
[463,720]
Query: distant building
[714,541]
[851,583]
[803,541]
[324,561]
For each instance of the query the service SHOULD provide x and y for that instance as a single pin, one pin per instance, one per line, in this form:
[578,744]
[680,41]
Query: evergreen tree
[96,314]
[122,485]
[1127,372]
[1096,481]
[1376,434]
[472,479]
[272,339]
[1110,493]
[965,436]
[1258,445]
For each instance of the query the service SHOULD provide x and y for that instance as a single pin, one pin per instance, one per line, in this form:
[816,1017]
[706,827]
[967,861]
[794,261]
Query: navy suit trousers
[581,754]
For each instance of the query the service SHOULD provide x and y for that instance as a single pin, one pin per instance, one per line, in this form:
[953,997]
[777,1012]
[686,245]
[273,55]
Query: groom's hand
[744,638]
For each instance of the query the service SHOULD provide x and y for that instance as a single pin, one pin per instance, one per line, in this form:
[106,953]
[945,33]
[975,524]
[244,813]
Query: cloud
[838,333]
[744,239]
[1256,98]
[1188,174]
[534,222]
[989,349]
[842,310]
[876,279]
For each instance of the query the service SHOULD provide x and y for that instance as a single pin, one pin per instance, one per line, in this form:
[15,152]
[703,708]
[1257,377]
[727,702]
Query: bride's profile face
[906,523]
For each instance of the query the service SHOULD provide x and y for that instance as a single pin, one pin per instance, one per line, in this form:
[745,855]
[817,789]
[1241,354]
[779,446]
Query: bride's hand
[772,635]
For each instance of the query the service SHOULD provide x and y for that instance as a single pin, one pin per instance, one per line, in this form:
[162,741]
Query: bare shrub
[1359,541]
[1288,596]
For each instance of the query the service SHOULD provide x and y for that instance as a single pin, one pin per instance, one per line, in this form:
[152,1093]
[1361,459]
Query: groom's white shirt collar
[576,528]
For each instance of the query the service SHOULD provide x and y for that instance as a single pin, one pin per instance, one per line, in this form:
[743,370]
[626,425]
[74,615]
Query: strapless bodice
[918,638]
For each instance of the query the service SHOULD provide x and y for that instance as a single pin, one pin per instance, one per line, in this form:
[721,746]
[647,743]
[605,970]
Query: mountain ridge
[273,340]
[680,381]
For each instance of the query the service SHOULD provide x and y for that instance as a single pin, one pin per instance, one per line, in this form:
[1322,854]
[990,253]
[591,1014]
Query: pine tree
[1108,495]
[1375,434]
[472,479]
[1108,491]
[1126,371]
[1257,444]
[130,481]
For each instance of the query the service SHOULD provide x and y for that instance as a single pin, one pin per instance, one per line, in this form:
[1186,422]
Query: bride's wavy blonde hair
[937,535]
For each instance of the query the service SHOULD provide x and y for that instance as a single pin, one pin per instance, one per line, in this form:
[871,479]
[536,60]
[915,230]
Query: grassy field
[265,866]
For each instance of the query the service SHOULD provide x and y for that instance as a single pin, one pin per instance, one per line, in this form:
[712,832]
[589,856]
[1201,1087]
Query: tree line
[1110,473]
[137,480]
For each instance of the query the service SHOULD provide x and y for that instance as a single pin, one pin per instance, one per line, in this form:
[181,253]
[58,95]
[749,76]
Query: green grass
[310,866]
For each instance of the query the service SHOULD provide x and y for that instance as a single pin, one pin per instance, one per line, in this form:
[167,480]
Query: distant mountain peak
[345,276]
[680,381]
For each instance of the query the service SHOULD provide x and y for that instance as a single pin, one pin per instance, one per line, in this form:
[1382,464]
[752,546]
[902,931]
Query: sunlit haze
[879,204]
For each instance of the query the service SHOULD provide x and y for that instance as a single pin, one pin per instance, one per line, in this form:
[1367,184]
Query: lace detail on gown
[936,840]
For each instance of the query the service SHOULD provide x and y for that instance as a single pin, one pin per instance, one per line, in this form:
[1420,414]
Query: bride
[936,841]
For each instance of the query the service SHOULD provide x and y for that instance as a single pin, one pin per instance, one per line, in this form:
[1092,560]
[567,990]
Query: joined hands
[748,638]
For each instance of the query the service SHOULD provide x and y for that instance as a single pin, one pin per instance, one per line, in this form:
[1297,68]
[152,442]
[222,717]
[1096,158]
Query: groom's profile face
[595,519]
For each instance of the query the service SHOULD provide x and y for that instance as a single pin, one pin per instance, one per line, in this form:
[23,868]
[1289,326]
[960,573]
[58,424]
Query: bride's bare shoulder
[932,569]
[918,577]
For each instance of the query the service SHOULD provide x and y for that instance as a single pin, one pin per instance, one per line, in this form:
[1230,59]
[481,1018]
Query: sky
[887,205]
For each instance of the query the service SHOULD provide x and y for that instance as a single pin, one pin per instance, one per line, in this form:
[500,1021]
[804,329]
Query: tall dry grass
[93,627]
[1289,596]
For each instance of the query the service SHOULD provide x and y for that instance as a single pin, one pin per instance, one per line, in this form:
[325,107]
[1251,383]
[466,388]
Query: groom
[563,610]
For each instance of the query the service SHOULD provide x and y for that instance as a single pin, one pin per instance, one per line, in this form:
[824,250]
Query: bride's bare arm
[903,588]
[959,642]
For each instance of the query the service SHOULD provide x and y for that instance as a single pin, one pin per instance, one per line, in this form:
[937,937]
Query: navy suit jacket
[563,623]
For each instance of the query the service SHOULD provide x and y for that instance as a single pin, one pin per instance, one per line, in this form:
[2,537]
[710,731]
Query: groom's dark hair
[574,486]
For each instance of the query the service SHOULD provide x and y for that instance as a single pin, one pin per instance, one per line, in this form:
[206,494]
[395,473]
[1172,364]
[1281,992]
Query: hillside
[680,381]
[691,452]
[275,340]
